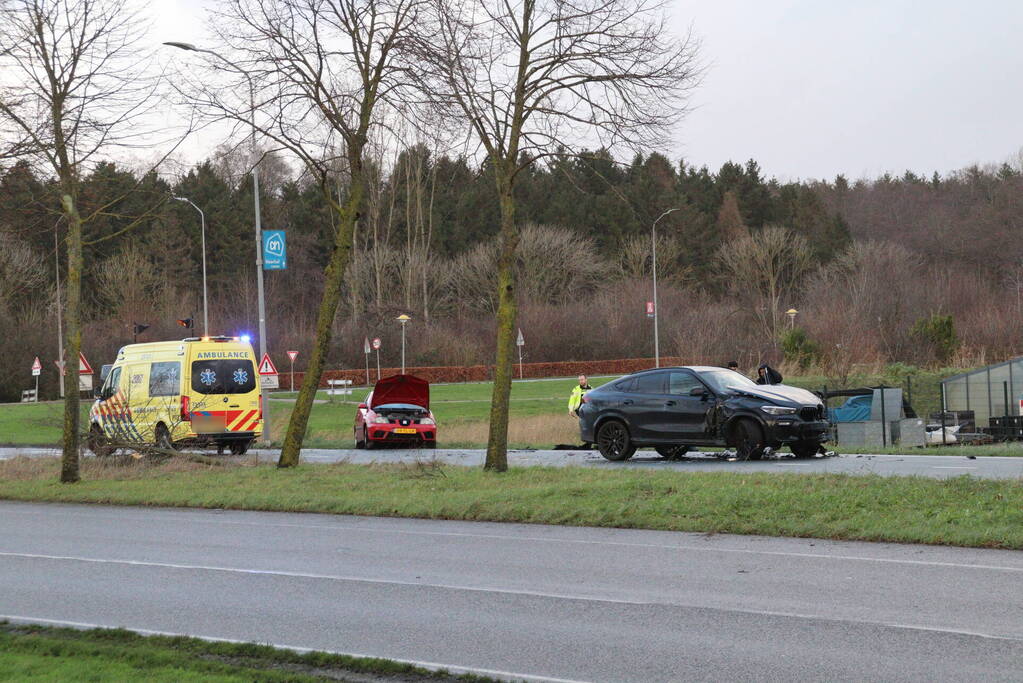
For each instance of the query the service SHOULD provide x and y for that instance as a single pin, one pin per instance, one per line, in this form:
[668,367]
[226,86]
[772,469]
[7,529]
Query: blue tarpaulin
[855,409]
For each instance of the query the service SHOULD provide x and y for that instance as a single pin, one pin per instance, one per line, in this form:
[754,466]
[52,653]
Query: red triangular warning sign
[36,365]
[83,365]
[266,366]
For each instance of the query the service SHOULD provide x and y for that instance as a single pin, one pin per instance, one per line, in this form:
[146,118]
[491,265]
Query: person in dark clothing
[733,365]
[768,375]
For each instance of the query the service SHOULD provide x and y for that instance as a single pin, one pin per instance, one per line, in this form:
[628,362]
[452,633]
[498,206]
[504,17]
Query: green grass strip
[43,653]
[962,511]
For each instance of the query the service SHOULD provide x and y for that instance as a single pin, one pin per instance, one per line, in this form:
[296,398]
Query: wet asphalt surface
[936,466]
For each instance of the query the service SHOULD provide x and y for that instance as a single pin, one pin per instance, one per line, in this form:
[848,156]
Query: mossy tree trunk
[507,313]
[348,213]
[72,341]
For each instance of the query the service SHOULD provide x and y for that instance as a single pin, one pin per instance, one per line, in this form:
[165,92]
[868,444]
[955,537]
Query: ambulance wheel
[240,447]
[163,438]
[97,442]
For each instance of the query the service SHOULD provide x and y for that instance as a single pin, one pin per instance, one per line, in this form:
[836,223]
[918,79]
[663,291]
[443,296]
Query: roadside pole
[376,345]
[292,355]
[37,368]
[520,342]
[365,351]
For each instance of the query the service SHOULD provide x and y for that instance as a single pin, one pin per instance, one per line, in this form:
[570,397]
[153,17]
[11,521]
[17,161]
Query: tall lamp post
[403,319]
[653,242]
[205,306]
[259,225]
[791,313]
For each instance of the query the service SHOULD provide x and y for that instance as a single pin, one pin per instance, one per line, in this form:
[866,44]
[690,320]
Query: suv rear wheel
[614,442]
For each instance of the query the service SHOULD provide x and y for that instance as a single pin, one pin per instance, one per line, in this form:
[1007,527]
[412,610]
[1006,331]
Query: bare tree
[766,267]
[322,74]
[129,284]
[635,260]
[21,269]
[535,77]
[77,87]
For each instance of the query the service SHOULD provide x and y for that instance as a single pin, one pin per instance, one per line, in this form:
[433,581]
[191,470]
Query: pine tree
[729,222]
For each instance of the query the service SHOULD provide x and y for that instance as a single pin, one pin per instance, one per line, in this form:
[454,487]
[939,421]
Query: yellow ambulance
[198,392]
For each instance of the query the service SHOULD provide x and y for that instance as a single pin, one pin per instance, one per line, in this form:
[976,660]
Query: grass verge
[38,653]
[961,511]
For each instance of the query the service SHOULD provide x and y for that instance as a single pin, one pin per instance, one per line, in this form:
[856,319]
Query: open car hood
[401,389]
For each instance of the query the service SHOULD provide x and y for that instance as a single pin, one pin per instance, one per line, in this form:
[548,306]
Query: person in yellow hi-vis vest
[576,398]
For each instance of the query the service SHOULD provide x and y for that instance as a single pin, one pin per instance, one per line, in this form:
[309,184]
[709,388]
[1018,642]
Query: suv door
[643,405]
[685,415]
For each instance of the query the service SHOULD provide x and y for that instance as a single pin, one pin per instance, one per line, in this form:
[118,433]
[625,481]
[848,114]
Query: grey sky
[812,88]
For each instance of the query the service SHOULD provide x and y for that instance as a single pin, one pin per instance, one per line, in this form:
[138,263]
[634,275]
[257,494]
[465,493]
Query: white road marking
[506,537]
[949,467]
[432,666]
[508,591]
[319,577]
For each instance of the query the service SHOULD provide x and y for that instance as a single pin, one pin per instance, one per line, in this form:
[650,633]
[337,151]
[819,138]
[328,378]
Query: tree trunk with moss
[348,214]
[507,312]
[72,342]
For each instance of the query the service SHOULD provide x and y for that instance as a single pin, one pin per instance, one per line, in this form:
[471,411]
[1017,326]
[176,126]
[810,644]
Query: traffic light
[136,330]
[185,322]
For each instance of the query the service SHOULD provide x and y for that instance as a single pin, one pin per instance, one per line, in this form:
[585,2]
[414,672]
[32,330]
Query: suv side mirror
[698,391]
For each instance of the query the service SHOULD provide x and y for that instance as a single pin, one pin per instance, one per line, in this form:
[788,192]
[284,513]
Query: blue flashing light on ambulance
[200,392]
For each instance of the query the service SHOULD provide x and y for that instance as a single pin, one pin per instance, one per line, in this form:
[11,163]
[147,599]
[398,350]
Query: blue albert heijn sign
[275,250]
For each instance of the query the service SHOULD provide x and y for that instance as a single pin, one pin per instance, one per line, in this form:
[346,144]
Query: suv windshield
[223,376]
[723,380]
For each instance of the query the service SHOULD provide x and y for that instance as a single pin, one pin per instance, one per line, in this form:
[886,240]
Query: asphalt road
[552,603]
[937,466]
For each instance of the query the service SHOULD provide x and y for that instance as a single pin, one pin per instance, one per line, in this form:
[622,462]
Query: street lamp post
[791,313]
[259,225]
[653,242]
[403,319]
[205,306]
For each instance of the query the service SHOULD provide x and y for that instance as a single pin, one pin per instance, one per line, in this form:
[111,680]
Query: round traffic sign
[376,342]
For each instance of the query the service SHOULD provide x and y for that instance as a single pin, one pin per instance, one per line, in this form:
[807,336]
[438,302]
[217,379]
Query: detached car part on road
[397,412]
[673,409]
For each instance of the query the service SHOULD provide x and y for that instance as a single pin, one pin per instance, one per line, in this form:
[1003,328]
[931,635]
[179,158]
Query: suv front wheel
[614,442]
[748,439]
[805,449]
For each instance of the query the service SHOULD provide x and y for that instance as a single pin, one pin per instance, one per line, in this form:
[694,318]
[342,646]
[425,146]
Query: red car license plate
[404,430]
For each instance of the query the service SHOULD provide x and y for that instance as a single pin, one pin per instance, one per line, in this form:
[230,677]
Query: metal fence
[989,392]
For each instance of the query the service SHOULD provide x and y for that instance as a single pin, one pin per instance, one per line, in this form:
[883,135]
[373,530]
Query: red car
[397,411]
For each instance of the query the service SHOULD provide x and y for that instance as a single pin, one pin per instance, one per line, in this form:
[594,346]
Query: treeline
[910,269]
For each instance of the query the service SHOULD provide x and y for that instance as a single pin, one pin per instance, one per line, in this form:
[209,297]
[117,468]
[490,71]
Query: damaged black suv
[673,409]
